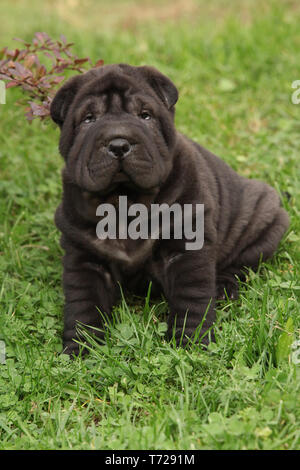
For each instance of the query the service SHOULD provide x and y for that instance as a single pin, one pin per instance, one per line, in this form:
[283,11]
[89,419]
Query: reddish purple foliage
[23,68]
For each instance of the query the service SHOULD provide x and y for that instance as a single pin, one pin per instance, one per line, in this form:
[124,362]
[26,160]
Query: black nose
[119,148]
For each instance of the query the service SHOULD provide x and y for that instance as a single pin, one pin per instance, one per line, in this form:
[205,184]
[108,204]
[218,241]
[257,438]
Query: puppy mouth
[120,177]
[123,185]
[121,182]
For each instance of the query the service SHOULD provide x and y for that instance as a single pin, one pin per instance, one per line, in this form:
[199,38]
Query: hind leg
[259,250]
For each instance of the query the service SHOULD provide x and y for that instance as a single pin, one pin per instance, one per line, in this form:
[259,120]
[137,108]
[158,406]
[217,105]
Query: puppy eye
[145,115]
[88,119]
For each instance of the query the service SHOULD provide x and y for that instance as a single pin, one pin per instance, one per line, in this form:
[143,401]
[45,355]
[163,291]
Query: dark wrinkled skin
[243,220]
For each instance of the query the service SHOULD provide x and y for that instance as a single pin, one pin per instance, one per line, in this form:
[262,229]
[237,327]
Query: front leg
[88,288]
[190,289]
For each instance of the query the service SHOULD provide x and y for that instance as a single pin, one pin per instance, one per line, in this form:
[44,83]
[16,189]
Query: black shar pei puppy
[118,138]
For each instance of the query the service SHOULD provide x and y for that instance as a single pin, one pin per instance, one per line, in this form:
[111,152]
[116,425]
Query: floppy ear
[162,85]
[63,99]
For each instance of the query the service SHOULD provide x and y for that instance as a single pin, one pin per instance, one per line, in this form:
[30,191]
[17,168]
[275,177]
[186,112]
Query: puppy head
[117,127]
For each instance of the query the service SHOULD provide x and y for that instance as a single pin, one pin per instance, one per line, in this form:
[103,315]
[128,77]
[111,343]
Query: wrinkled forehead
[113,86]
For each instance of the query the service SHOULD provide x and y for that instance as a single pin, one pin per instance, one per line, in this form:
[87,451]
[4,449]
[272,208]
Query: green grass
[234,67]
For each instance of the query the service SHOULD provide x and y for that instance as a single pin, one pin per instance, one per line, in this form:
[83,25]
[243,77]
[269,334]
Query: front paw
[186,336]
[227,290]
[82,347]
[71,348]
